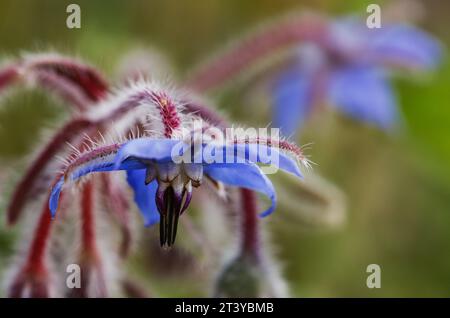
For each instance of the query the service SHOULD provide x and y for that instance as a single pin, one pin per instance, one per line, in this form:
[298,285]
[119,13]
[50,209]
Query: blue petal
[394,44]
[54,196]
[348,35]
[406,45]
[258,153]
[291,101]
[365,94]
[144,195]
[104,165]
[244,175]
[158,150]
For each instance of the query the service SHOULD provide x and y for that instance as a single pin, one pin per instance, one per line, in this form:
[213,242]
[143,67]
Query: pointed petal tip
[53,208]
[271,209]
[54,197]
[150,222]
[247,176]
[297,172]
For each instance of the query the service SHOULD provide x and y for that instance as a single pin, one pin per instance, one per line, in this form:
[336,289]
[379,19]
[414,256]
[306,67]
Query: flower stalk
[34,273]
[224,66]
[249,226]
[89,259]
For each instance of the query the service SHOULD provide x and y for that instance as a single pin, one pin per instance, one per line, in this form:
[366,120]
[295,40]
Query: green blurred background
[397,186]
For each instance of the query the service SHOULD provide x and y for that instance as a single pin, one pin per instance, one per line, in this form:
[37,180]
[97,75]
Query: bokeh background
[397,186]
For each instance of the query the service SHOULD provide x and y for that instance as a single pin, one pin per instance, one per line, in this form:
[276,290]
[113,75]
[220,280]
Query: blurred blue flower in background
[349,69]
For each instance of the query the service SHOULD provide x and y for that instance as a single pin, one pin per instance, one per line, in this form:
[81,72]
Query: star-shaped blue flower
[163,187]
[350,70]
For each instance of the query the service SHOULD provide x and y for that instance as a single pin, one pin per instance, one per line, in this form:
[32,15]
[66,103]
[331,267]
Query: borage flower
[162,172]
[349,69]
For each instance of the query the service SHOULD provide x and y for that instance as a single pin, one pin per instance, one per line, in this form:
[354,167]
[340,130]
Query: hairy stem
[35,262]
[89,256]
[87,219]
[206,113]
[34,173]
[34,271]
[251,49]
[116,202]
[250,236]
[7,76]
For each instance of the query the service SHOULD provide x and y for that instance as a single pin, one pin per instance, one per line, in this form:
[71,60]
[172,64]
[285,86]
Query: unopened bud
[239,278]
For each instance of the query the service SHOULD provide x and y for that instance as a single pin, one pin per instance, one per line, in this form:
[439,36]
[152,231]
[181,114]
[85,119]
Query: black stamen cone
[171,209]
[162,228]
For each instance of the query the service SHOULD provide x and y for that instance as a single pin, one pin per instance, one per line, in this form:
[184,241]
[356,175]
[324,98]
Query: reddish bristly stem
[68,92]
[250,236]
[83,77]
[26,185]
[89,256]
[283,145]
[117,203]
[88,156]
[168,111]
[7,76]
[87,218]
[34,272]
[35,261]
[72,80]
[77,83]
[255,47]
[205,113]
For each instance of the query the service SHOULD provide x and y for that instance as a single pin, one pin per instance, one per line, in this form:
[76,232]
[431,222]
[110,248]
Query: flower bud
[239,278]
